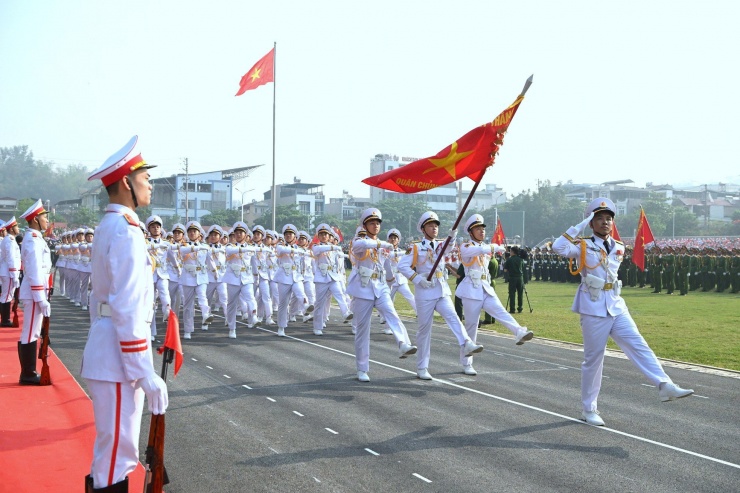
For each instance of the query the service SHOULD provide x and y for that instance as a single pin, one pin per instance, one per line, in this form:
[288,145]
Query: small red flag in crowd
[172,340]
[498,236]
[262,73]
[615,233]
[644,236]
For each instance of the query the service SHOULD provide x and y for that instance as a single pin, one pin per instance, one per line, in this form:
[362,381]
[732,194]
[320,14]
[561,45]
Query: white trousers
[32,319]
[175,295]
[363,310]
[310,290]
[219,288]
[596,331]
[275,295]
[6,294]
[163,288]
[405,292]
[492,305]
[240,295]
[284,291]
[425,313]
[324,292]
[84,286]
[61,281]
[188,312]
[117,408]
[73,283]
[265,301]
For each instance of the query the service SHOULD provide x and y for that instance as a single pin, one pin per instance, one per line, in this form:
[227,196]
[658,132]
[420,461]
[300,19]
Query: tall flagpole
[274,83]
[467,201]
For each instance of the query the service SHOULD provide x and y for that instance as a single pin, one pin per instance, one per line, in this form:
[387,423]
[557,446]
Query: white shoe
[307,318]
[203,327]
[258,320]
[670,391]
[387,331]
[423,374]
[250,326]
[382,321]
[208,319]
[354,331]
[186,335]
[84,307]
[154,338]
[348,317]
[469,370]
[270,321]
[362,376]
[323,326]
[232,334]
[523,336]
[592,418]
[471,348]
[309,309]
[406,349]
[281,332]
[77,303]
[292,319]
[317,332]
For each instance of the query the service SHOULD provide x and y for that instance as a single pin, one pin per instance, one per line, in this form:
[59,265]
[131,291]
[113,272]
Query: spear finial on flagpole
[526,85]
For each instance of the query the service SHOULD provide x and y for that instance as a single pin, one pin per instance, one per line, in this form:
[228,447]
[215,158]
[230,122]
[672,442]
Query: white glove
[16,283]
[156,393]
[585,222]
[45,308]
[453,234]
[422,281]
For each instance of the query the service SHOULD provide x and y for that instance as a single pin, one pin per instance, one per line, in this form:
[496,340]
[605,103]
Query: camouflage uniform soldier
[657,268]
[669,270]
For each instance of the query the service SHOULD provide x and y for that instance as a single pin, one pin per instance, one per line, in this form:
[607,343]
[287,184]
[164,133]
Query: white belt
[104,310]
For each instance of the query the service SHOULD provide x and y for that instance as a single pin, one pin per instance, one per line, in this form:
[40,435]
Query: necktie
[606,246]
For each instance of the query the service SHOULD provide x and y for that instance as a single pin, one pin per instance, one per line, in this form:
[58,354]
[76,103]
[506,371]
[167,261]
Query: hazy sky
[635,89]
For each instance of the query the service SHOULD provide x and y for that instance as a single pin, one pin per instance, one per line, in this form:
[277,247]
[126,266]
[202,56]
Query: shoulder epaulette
[618,242]
[131,220]
[34,234]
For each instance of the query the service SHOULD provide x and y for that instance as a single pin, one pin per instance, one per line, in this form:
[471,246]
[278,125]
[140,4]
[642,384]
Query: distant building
[67,208]
[8,206]
[347,207]
[307,197]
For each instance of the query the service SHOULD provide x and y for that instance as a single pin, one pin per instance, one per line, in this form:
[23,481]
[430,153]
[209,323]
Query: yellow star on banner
[449,161]
[255,74]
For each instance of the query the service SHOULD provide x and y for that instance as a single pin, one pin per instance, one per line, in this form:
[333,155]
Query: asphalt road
[262,413]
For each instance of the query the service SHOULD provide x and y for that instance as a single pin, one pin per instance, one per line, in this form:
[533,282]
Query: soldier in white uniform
[397,281]
[261,267]
[288,277]
[73,266]
[369,290]
[34,292]
[60,264]
[216,284]
[272,262]
[476,291]
[10,269]
[159,250]
[68,273]
[307,272]
[85,268]
[196,260]
[432,295]
[326,279]
[602,310]
[117,361]
[239,279]
[174,266]
[3,233]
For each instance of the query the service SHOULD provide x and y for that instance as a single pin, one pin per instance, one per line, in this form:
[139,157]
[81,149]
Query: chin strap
[133,195]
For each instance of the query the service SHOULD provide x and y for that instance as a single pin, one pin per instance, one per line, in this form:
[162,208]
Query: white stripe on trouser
[425,312]
[284,291]
[105,407]
[596,331]
[239,294]
[188,312]
[32,319]
[492,305]
[363,310]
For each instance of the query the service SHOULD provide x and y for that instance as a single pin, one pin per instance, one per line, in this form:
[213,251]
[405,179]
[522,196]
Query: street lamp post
[241,206]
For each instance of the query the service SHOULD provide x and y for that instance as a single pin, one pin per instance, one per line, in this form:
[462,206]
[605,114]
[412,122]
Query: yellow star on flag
[449,162]
[256,74]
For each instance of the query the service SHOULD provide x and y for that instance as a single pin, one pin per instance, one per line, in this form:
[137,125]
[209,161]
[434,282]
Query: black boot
[27,354]
[5,315]
[119,487]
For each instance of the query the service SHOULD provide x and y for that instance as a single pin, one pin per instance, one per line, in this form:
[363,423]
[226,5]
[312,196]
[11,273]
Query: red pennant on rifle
[172,340]
[615,233]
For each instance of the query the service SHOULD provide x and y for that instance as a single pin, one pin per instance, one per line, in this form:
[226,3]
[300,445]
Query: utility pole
[706,207]
[187,217]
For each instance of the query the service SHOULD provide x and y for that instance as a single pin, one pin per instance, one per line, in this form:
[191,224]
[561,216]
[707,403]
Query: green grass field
[702,328]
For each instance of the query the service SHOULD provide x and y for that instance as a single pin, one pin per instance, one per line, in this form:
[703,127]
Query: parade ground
[262,413]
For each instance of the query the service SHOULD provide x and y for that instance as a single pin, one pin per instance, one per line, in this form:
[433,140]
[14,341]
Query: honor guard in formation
[174,266]
[34,291]
[327,279]
[369,290]
[85,269]
[432,295]
[10,268]
[159,250]
[304,243]
[476,292]
[397,281]
[602,310]
[216,292]
[196,260]
[117,360]
[239,278]
[262,268]
[288,277]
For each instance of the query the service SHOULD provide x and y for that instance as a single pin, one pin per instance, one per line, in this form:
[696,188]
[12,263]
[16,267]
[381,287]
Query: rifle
[44,347]
[156,474]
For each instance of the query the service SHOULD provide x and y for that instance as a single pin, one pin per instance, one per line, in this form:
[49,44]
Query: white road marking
[193,359]
[209,367]
[332,431]
[247,387]
[422,478]
[700,396]
[297,413]
[316,479]
[270,399]
[646,385]
[226,376]
[371,451]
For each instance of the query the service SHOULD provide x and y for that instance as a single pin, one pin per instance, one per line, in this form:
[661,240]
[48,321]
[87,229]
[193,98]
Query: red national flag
[615,233]
[470,156]
[49,231]
[498,236]
[172,340]
[339,233]
[644,236]
[262,73]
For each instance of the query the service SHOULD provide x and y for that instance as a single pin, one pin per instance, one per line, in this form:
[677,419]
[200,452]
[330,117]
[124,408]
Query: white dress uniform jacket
[159,250]
[477,282]
[367,280]
[419,262]
[121,301]
[36,258]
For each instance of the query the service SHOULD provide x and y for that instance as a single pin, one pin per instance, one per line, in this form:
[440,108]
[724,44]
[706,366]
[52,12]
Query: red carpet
[47,433]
